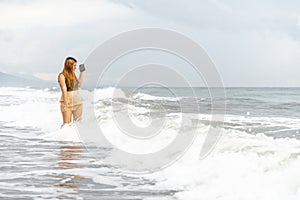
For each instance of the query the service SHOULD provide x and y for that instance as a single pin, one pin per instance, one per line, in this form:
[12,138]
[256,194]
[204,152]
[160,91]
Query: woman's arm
[80,79]
[63,86]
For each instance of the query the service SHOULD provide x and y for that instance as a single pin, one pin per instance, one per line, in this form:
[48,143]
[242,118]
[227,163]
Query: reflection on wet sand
[68,184]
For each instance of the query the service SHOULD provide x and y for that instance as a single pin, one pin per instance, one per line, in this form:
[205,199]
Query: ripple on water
[33,168]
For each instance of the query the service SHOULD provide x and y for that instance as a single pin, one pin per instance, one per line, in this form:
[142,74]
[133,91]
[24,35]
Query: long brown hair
[68,72]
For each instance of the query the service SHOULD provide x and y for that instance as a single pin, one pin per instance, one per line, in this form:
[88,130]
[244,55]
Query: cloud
[53,13]
[227,16]
[36,36]
[251,42]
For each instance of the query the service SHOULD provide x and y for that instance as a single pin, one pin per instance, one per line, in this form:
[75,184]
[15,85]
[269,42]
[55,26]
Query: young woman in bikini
[70,101]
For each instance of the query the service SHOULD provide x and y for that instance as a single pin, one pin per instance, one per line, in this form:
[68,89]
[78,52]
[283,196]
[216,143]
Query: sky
[252,43]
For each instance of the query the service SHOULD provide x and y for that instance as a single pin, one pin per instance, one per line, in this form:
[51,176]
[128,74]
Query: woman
[70,101]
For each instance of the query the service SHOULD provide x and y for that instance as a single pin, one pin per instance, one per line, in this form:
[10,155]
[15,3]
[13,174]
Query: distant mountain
[8,80]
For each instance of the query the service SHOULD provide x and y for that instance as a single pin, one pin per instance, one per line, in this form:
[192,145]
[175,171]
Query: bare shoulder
[61,77]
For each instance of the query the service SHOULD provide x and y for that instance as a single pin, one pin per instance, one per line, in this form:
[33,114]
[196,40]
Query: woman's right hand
[66,103]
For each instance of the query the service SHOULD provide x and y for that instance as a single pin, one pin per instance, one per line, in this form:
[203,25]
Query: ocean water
[257,157]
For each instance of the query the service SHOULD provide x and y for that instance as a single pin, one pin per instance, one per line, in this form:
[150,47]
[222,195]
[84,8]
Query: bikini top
[75,87]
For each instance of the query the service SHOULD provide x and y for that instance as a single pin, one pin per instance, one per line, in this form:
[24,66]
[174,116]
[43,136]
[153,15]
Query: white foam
[144,96]
[108,93]
[44,116]
[67,133]
[242,166]
[120,140]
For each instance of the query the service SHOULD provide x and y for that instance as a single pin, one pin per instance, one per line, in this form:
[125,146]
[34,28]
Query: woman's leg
[66,114]
[67,117]
[77,112]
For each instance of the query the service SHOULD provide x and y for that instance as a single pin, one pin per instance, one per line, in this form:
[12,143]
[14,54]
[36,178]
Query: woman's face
[74,66]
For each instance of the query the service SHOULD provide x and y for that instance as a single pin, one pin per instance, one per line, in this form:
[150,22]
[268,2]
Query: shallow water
[257,157]
[38,169]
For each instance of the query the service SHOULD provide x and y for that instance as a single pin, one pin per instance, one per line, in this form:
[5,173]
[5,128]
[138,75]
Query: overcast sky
[252,43]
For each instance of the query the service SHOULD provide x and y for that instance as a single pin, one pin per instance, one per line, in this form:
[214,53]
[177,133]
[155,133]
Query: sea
[256,157]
